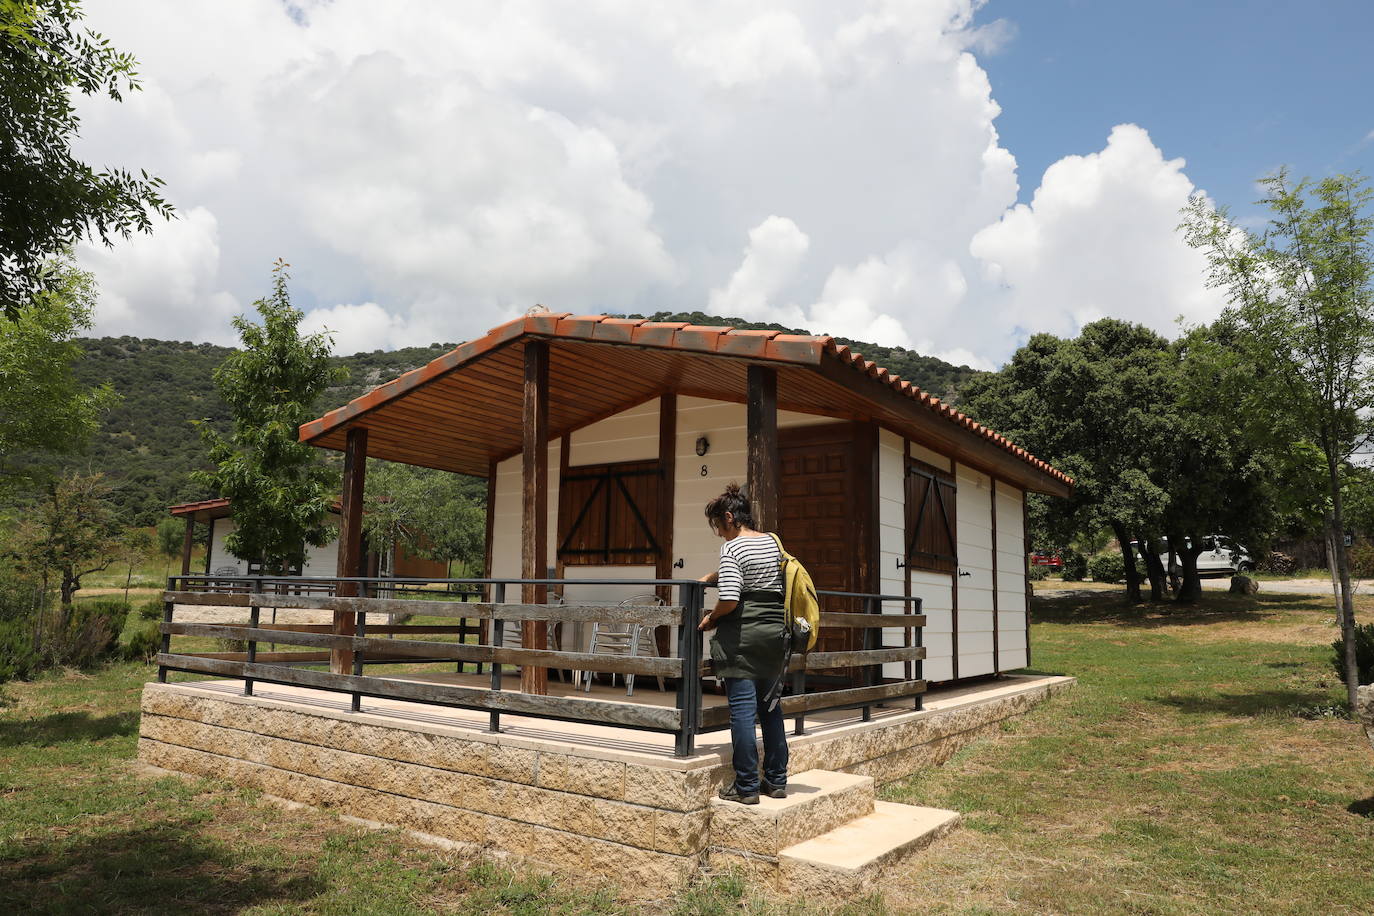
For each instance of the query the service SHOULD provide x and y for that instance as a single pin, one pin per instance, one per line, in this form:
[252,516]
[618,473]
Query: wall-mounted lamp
[703,446]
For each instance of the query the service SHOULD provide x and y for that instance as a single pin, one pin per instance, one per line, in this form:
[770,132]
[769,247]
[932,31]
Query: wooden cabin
[602,439]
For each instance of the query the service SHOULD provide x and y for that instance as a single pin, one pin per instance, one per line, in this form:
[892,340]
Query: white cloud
[433,173]
[776,248]
[164,285]
[1098,239]
[356,328]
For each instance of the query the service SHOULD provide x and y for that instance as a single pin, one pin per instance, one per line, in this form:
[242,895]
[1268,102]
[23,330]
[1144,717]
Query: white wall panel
[974,533]
[506,561]
[935,459]
[1011,578]
[631,435]
[319,561]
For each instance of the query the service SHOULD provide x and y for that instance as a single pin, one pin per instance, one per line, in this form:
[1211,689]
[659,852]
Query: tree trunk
[1190,590]
[1328,527]
[1347,601]
[1127,554]
[1158,579]
[1175,572]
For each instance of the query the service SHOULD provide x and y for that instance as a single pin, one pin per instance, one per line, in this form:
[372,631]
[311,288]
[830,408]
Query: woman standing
[747,649]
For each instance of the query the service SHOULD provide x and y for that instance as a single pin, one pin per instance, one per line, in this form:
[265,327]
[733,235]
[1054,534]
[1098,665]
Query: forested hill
[148,444]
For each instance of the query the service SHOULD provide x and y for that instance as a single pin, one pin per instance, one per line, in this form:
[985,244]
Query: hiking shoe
[731,793]
[773,791]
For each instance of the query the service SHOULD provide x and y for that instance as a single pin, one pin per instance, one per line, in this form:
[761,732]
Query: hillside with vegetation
[149,442]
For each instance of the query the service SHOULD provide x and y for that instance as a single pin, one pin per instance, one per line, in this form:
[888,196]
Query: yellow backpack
[799,600]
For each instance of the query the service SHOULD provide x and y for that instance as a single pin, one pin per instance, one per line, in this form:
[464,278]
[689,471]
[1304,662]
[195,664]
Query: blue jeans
[745,709]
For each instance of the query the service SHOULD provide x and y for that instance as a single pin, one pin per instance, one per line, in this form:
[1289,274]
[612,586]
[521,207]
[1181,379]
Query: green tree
[1099,408]
[49,199]
[171,533]
[1301,303]
[70,532]
[455,525]
[43,408]
[279,489]
[432,513]
[135,546]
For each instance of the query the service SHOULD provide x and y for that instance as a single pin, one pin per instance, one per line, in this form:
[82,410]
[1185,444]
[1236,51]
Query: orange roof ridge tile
[748,343]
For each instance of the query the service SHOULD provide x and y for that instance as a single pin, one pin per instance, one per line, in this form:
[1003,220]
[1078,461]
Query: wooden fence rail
[391,642]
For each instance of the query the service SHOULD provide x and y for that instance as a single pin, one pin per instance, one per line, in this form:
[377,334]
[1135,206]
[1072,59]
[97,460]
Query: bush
[1039,573]
[1361,559]
[1107,567]
[1075,566]
[92,633]
[150,610]
[1280,564]
[1364,655]
[144,643]
[19,658]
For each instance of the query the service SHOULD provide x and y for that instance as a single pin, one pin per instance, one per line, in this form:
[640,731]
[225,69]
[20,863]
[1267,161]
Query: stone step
[849,859]
[817,801]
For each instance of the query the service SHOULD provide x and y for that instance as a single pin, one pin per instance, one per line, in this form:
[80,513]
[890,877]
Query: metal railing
[356,639]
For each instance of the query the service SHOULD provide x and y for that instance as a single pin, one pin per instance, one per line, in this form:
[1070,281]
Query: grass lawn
[1193,770]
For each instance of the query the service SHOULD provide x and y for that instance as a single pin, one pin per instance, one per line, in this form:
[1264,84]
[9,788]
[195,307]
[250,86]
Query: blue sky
[1235,88]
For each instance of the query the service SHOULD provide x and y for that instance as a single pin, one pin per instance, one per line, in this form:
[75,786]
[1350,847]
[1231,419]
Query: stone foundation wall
[645,821]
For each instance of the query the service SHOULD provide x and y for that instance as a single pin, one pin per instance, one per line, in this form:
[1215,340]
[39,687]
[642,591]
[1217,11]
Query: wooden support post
[667,493]
[350,540]
[186,543]
[535,505]
[763,467]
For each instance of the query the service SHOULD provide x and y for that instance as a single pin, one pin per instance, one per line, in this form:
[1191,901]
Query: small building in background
[398,562]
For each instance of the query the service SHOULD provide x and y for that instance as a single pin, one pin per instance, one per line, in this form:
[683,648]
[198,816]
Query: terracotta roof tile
[788,348]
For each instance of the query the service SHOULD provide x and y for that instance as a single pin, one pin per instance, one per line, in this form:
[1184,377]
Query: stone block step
[849,859]
[817,801]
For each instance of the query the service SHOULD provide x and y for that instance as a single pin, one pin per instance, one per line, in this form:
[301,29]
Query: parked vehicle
[1216,559]
[1050,560]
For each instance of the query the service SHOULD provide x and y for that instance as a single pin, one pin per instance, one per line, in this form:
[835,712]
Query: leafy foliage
[70,532]
[435,514]
[1107,567]
[1364,654]
[44,408]
[48,198]
[1301,318]
[279,488]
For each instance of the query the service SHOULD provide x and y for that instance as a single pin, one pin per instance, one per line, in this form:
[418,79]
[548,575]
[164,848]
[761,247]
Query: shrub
[1107,567]
[1039,573]
[1075,566]
[1364,655]
[19,658]
[1361,559]
[150,610]
[92,633]
[1280,564]
[145,642]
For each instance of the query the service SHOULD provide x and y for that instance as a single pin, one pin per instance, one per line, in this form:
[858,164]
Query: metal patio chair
[631,640]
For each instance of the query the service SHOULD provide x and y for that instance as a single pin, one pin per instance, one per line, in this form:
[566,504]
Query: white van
[1216,559]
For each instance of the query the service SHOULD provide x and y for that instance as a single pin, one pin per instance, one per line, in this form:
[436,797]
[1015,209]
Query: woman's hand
[720,610]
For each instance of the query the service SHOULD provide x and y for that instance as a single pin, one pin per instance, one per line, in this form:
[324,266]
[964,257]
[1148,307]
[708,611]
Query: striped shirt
[749,564]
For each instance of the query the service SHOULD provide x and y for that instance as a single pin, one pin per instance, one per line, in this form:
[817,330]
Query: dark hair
[733,501]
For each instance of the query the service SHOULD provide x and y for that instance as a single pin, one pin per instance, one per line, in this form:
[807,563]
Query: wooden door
[818,519]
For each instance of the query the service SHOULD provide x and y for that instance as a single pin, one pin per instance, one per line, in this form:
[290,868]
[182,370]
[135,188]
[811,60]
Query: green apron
[748,642]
